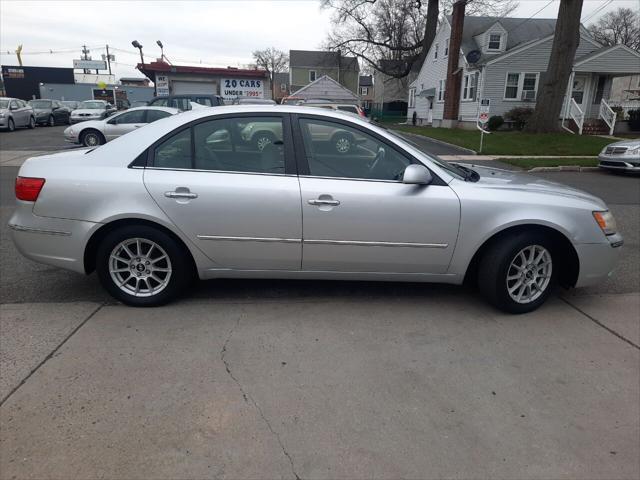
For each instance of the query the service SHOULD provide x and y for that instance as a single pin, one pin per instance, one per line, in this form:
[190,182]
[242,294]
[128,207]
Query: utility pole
[108,60]
[85,56]
[454,74]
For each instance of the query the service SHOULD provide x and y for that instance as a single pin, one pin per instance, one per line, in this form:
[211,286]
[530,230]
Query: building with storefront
[229,82]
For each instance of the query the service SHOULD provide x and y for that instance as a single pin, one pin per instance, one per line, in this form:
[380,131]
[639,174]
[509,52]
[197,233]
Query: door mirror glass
[417,175]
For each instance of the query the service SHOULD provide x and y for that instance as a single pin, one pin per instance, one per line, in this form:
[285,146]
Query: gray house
[326,88]
[307,66]
[505,60]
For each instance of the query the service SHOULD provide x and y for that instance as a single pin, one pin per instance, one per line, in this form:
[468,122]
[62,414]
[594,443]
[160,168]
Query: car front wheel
[92,138]
[142,266]
[516,273]
[10,125]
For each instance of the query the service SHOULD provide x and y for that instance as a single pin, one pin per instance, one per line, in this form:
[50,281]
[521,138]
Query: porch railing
[608,115]
[577,115]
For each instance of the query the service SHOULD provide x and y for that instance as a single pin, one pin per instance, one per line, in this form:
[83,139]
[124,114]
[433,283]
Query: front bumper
[4,122]
[598,260]
[72,137]
[619,162]
[54,241]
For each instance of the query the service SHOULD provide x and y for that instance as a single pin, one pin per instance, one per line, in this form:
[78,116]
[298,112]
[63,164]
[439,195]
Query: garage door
[184,88]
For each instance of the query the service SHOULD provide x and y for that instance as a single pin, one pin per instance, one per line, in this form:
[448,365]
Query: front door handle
[320,201]
[181,192]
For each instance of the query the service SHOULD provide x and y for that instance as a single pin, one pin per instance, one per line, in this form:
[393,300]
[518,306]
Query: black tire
[32,123]
[262,139]
[494,266]
[11,126]
[51,122]
[181,276]
[87,138]
[342,142]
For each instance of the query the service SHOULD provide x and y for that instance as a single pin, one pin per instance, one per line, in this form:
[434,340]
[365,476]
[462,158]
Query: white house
[511,57]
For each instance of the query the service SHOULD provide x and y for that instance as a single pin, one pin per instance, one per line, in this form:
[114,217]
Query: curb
[564,168]
[441,142]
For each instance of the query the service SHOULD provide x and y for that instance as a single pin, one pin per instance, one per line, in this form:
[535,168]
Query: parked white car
[98,132]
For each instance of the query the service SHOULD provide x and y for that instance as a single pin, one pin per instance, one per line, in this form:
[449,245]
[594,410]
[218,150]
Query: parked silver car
[621,156]
[189,196]
[92,110]
[97,132]
[15,113]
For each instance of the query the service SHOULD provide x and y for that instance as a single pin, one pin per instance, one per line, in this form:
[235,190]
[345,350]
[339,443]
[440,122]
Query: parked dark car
[183,102]
[50,112]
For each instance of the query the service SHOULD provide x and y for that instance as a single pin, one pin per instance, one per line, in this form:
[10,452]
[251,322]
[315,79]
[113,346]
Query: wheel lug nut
[147,272]
[147,262]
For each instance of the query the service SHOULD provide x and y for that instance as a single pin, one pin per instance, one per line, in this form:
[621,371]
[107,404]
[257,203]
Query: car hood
[633,143]
[494,178]
[93,111]
[41,110]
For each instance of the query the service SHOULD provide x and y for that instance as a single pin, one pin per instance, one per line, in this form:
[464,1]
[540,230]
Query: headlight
[1,115]
[633,151]
[606,222]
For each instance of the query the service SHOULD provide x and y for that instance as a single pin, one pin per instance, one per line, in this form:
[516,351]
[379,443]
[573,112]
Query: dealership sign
[241,87]
[162,85]
[90,64]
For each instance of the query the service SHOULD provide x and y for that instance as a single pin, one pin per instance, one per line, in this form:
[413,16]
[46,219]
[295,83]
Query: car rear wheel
[142,266]
[516,273]
[92,138]
[32,123]
[342,142]
[10,125]
[52,121]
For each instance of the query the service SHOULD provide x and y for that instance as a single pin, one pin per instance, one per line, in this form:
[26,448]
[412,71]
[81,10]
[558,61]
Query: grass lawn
[529,163]
[514,143]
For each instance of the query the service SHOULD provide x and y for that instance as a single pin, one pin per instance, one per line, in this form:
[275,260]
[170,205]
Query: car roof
[151,107]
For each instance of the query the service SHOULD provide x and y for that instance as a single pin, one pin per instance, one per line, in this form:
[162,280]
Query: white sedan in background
[97,132]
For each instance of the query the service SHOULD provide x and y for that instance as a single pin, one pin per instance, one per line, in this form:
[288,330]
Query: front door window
[578,89]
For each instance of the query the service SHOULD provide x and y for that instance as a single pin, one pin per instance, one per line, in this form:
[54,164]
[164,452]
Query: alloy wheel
[10,125]
[52,121]
[262,142]
[529,274]
[140,267]
[343,145]
[91,140]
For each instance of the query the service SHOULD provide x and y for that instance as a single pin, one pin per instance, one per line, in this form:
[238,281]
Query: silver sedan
[190,196]
[96,132]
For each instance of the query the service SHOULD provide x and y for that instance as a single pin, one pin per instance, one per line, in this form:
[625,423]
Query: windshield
[70,104]
[450,168]
[4,103]
[93,105]
[40,103]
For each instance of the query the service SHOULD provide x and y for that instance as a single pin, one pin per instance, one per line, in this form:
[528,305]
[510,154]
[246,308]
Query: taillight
[28,188]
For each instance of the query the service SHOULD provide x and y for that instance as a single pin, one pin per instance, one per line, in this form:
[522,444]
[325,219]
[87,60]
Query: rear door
[239,204]
[124,123]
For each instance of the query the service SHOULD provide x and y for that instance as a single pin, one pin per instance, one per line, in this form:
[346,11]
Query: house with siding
[280,86]
[326,88]
[307,66]
[390,96]
[365,90]
[511,58]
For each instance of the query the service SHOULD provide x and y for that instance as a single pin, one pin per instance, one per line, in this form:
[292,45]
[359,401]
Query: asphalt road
[40,138]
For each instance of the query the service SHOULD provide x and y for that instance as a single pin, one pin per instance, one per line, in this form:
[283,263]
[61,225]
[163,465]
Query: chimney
[454,74]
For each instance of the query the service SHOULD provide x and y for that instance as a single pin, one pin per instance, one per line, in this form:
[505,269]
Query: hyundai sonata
[192,195]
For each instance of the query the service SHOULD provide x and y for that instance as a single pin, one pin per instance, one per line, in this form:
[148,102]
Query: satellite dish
[473,56]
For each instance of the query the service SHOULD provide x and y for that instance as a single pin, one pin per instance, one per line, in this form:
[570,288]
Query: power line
[597,11]
[536,13]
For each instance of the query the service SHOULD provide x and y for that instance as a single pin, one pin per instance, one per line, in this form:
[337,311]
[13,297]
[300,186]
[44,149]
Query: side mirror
[13,107]
[417,175]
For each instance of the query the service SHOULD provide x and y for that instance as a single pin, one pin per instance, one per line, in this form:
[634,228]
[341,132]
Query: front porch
[587,108]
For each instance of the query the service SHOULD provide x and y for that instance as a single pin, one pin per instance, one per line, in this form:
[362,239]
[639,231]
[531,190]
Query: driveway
[285,379]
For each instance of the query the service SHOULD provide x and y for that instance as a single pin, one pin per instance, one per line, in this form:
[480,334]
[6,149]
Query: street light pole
[137,45]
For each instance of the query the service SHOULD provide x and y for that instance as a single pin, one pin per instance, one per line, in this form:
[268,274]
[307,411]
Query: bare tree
[399,31]
[565,43]
[619,27]
[273,61]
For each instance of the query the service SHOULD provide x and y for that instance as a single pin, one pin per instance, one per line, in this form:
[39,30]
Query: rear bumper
[53,241]
[598,260]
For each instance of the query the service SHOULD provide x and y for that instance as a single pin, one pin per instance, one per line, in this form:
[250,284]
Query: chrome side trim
[249,239]
[376,244]
[21,228]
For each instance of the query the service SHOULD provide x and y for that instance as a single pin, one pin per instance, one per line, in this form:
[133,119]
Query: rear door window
[153,115]
[174,152]
[181,103]
[206,101]
[160,102]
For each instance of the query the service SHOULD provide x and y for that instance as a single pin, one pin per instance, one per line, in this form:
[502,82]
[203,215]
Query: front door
[430,111]
[359,217]
[230,193]
[124,123]
[579,91]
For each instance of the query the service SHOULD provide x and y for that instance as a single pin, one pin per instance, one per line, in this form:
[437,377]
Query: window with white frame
[364,90]
[495,40]
[441,90]
[435,51]
[283,87]
[446,47]
[521,86]
[470,86]
[412,97]
[312,75]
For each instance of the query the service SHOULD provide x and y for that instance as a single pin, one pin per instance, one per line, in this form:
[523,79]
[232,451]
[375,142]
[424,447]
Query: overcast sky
[214,33]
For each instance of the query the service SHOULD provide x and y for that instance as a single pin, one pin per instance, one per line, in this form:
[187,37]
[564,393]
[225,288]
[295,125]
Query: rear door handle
[181,193]
[319,201]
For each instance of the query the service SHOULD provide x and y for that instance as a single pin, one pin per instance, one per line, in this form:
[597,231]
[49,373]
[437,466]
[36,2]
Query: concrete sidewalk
[432,386]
